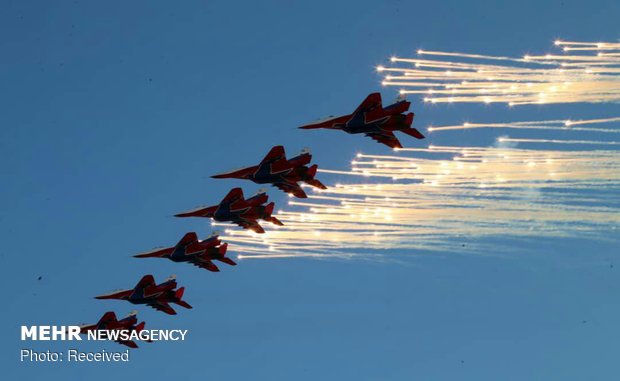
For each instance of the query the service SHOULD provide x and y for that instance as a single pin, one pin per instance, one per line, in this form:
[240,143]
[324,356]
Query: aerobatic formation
[287,174]
[436,198]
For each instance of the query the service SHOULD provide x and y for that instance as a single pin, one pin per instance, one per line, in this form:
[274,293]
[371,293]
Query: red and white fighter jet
[281,172]
[374,120]
[190,249]
[236,209]
[158,296]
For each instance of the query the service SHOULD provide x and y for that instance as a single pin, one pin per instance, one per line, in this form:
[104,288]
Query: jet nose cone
[118,294]
[191,213]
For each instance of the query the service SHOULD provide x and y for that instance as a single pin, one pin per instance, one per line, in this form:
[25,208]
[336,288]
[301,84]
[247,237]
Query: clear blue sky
[115,113]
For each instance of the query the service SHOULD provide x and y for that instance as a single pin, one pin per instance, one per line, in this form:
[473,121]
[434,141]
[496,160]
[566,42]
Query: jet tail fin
[223,257]
[312,170]
[222,249]
[269,208]
[409,119]
[259,198]
[311,180]
[303,158]
[179,293]
[269,217]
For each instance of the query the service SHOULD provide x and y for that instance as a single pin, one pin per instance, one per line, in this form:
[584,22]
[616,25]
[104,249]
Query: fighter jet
[156,296]
[108,322]
[236,209]
[198,253]
[374,120]
[285,174]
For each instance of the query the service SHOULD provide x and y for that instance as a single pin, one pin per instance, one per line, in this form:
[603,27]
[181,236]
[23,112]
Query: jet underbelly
[178,255]
[361,128]
[223,214]
[265,176]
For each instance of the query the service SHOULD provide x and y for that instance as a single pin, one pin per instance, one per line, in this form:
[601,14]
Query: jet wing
[145,282]
[386,137]
[276,153]
[162,306]
[188,238]
[291,188]
[372,101]
[234,195]
[250,224]
[204,264]
[107,318]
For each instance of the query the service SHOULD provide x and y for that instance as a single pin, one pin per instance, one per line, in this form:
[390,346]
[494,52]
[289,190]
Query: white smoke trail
[590,76]
[450,199]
